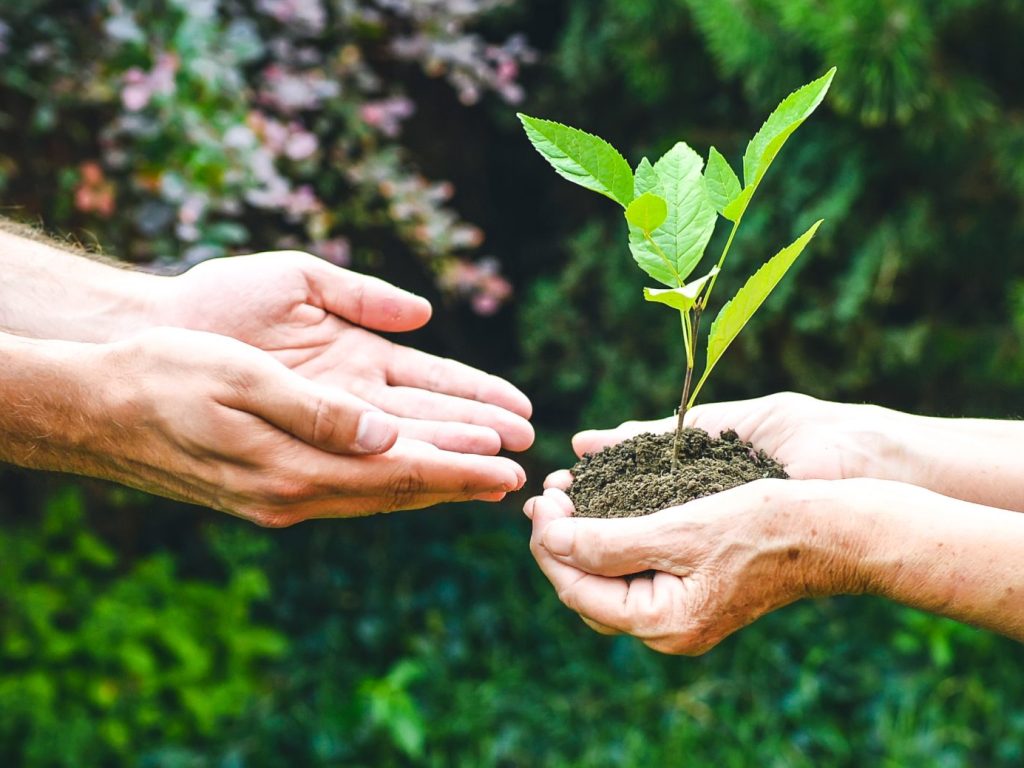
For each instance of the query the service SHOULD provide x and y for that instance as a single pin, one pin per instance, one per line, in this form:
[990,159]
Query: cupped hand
[208,419]
[812,439]
[720,562]
[318,320]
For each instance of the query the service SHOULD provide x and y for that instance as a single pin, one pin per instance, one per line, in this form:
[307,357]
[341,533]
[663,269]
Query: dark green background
[139,632]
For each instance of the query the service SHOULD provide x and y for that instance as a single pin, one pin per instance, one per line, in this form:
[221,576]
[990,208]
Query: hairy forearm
[45,397]
[50,291]
[941,555]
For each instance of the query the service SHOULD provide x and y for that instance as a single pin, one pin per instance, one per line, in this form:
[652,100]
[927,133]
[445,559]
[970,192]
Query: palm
[813,439]
[283,305]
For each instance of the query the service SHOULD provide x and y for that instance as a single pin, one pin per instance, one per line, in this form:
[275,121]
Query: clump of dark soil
[636,476]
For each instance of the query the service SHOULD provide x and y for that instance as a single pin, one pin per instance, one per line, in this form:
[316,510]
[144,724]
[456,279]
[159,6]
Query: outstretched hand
[319,319]
[208,419]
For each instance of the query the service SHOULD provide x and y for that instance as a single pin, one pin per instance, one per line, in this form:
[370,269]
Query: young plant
[672,208]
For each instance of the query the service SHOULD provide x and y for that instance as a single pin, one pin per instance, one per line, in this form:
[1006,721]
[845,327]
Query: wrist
[827,555]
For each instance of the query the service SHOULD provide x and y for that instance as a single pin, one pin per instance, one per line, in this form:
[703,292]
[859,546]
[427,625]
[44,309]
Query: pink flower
[300,145]
[94,194]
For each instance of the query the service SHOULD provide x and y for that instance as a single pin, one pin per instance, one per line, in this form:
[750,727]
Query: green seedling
[672,207]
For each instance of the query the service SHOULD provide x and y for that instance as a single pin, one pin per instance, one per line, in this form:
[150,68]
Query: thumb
[616,547]
[325,417]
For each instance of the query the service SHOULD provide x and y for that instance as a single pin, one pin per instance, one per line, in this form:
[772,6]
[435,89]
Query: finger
[452,436]
[594,440]
[363,506]
[413,368]
[621,547]
[560,478]
[515,431]
[409,471]
[601,629]
[558,497]
[599,595]
[364,300]
[329,419]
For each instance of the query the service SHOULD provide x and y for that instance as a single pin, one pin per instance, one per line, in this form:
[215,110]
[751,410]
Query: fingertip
[376,433]
[559,497]
[588,441]
[528,507]
[560,478]
[518,436]
[492,496]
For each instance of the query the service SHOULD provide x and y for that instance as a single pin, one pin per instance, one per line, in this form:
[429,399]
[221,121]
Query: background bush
[139,632]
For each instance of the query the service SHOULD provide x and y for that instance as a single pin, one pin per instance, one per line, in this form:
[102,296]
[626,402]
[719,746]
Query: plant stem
[703,304]
[690,330]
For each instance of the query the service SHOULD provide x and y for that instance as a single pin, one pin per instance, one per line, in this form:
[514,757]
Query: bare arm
[52,291]
[725,560]
[207,419]
[316,318]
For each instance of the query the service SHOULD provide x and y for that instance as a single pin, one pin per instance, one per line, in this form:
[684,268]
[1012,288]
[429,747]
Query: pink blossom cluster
[481,282]
[306,16]
[386,115]
[262,105]
[141,86]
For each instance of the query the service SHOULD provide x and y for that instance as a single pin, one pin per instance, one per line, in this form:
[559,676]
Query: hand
[721,561]
[812,439]
[207,419]
[317,319]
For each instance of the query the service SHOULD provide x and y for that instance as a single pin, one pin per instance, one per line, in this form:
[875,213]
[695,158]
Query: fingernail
[558,537]
[528,507]
[375,432]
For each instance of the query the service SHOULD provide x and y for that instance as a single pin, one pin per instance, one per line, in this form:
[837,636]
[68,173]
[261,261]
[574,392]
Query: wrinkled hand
[813,439]
[317,320]
[721,561]
[208,419]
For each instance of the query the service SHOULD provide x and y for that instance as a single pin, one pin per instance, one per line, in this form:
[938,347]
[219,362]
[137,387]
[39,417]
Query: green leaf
[683,298]
[779,126]
[679,243]
[748,299]
[582,158]
[723,186]
[645,179]
[647,212]
[735,210]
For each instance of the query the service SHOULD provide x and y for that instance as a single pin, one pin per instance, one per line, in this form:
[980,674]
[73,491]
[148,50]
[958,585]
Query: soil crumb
[636,477]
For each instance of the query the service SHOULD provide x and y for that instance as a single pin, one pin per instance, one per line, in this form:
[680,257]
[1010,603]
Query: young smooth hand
[319,320]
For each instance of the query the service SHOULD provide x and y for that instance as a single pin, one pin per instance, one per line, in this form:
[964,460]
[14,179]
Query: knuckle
[404,488]
[324,426]
[284,491]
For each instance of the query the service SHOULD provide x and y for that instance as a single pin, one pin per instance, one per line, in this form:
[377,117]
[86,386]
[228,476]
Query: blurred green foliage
[429,639]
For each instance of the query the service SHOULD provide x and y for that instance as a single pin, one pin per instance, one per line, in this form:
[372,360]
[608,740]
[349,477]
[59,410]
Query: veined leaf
[681,240]
[683,298]
[650,261]
[779,126]
[645,179]
[647,212]
[748,299]
[582,158]
[723,186]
